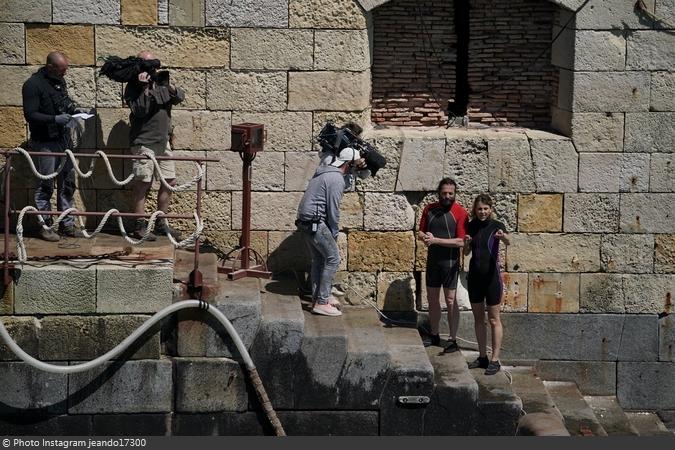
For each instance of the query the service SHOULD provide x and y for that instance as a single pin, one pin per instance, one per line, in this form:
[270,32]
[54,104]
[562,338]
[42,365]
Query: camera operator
[47,108]
[150,98]
[359,168]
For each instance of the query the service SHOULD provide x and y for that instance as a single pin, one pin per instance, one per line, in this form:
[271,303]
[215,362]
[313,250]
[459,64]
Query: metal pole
[8,176]
[195,277]
[246,211]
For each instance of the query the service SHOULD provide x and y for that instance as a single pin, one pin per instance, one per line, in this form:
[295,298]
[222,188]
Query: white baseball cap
[346,155]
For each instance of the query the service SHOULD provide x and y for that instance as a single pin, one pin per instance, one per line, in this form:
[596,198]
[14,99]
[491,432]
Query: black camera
[160,77]
[333,140]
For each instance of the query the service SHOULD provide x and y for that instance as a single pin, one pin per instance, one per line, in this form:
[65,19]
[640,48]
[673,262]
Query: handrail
[96,155]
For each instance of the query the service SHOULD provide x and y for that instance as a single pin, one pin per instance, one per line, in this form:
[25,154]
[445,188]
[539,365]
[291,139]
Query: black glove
[62,119]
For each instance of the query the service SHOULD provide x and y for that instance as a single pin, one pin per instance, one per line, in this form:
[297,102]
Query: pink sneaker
[333,301]
[326,310]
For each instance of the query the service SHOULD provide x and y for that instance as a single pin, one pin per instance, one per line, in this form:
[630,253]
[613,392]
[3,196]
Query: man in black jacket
[47,109]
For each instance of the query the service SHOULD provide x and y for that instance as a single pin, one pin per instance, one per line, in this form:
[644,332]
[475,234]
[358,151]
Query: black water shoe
[452,347]
[432,339]
[493,368]
[482,362]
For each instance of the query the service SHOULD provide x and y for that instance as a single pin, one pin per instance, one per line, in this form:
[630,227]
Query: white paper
[84,116]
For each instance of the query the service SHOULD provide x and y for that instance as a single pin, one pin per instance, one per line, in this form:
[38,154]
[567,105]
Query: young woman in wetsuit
[484,280]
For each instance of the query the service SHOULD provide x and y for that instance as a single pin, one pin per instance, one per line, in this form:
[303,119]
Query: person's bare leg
[453,312]
[164,196]
[478,310]
[434,301]
[497,330]
[140,189]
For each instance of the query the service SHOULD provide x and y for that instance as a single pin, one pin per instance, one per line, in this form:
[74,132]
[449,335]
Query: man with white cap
[318,220]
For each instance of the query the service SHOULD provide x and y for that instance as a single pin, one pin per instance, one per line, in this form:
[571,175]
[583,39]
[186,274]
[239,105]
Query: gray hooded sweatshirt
[322,197]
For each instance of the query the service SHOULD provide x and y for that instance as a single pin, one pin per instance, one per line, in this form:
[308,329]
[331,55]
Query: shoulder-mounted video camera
[333,140]
[125,70]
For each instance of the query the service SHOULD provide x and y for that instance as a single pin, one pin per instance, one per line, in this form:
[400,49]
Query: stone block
[113,128]
[597,132]
[82,89]
[193,82]
[12,45]
[272,49]
[286,131]
[14,126]
[421,164]
[599,50]
[55,289]
[300,167]
[88,337]
[108,93]
[229,240]
[540,212]
[202,130]
[248,91]
[614,172]
[129,387]
[177,47]
[384,181]
[648,294]
[163,12]
[330,423]
[643,327]
[611,91]
[333,91]
[643,213]
[579,219]
[388,212]
[186,13]
[663,91]
[224,175]
[662,172]
[374,251]
[257,14]
[553,293]
[24,331]
[357,286]
[515,294]
[269,210]
[139,12]
[510,165]
[7,299]
[220,424]
[389,142]
[650,132]
[62,425]
[664,258]
[86,11]
[351,211]
[667,338]
[130,424]
[75,41]
[565,93]
[396,291]
[646,385]
[26,11]
[210,384]
[24,387]
[592,377]
[288,252]
[117,288]
[342,50]
[466,162]
[554,253]
[612,14]
[650,50]
[345,14]
[14,77]
[626,253]
[555,165]
[215,210]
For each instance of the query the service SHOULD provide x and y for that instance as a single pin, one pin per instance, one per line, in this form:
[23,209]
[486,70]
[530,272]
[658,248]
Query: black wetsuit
[484,279]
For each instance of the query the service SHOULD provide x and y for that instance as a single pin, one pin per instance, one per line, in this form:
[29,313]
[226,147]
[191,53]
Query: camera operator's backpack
[124,70]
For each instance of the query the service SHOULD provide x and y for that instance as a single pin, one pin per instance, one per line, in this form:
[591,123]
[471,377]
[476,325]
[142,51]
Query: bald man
[150,103]
[47,109]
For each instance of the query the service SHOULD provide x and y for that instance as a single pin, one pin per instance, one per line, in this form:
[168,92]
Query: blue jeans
[65,181]
[325,262]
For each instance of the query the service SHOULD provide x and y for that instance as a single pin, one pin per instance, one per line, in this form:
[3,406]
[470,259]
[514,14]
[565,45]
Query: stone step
[499,408]
[579,417]
[452,410]
[610,415]
[530,388]
[647,423]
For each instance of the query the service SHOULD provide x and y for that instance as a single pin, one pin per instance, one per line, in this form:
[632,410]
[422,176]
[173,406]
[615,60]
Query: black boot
[162,228]
[139,230]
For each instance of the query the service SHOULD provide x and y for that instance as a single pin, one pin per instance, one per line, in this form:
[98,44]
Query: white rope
[190,240]
[76,165]
[182,187]
[100,225]
[145,235]
[114,179]
[34,169]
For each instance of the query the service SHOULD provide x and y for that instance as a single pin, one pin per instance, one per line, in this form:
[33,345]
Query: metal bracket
[414,399]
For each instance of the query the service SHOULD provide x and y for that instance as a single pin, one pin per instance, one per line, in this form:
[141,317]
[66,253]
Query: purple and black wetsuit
[484,279]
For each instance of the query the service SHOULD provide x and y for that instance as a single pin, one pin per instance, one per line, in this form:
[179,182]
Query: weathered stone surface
[341,50]
[186,13]
[515,292]
[373,251]
[14,126]
[554,253]
[132,387]
[260,14]
[389,142]
[421,164]
[113,128]
[286,131]
[24,331]
[612,14]
[384,181]
[648,294]
[357,286]
[229,240]
[626,253]
[601,293]
[330,423]
[644,327]
[225,174]
[650,132]
[466,162]
[117,288]
[288,252]
[178,47]
[667,339]
[12,45]
[592,378]
[86,11]
[611,91]
[664,259]
[595,213]
[388,212]
[7,299]
[24,387]
[209,384]
[326,14]
[540,212]
[663,91]
[662,172]
[644,213]
[272,49]
[553,293]
[82,89]
[269,210]
[650,50]
[88,337]
[599,50]
[351,212]
[61,425]
[248,91]
[139,12]
[130,424]
[163,12]
[26,11]
[555,165]
[207,130]
[369,5]
[193,82]
[613,172]
[108,93]
[300,168]
[13,78]
[510,165]
[395,291]
[597,132]
[55,289]
[221,424]
[75,41]
[332,91]
[646,385]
